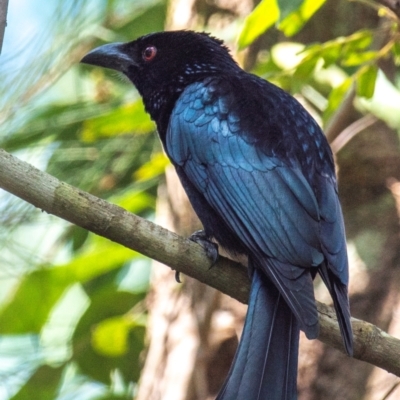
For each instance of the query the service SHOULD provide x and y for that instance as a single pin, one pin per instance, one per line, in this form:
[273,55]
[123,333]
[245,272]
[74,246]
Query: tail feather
[265,364]
[339,294]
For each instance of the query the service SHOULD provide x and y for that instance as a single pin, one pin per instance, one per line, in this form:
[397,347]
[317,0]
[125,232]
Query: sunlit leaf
[43,384]
[336,50]
[110,336]
[261,19]
[125,355]
[354,58]
[153,167]
[299,17]
[31,304]
[365,81]
[28,309]
[129,118]
[336,97]
[135,202]
[287,7]
[305,68]
[396,52]
[331,54]
[357,41]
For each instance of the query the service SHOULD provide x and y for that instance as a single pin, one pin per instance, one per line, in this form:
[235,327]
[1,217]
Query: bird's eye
[149,53]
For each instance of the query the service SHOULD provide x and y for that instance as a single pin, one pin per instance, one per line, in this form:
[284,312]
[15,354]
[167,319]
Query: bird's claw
[210,247]
[178,276]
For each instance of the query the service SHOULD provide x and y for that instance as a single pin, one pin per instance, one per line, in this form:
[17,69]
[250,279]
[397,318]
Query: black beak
[111,56]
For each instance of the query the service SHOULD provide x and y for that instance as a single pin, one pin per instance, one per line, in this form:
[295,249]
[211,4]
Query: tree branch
[67,202]
[3,20]
[392,5]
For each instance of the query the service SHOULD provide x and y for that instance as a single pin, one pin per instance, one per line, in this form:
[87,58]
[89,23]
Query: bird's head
[162,64]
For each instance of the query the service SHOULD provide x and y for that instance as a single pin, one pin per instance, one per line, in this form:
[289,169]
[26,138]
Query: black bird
[260,175]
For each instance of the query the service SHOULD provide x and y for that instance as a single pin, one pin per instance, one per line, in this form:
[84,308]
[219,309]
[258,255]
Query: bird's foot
[210,247]
[178,276]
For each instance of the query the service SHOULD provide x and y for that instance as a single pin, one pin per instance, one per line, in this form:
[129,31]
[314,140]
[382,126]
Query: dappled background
[84,318]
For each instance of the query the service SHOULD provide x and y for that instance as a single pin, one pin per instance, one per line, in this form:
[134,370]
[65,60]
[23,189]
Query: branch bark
[78,207]
[3,20]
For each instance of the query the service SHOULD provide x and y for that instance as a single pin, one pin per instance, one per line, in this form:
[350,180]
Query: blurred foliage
[94,134]
[291,16]
[110,337]
[77,299]
[44,381]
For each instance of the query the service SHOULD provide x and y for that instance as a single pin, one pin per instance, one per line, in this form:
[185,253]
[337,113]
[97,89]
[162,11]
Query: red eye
[149,53]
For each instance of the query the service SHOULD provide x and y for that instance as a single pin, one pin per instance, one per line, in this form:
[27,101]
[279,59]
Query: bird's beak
[111,56]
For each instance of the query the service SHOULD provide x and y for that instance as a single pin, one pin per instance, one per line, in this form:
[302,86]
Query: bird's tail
[339,294]
[265,364]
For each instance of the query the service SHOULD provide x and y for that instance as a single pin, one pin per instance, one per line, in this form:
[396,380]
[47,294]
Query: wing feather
[269,204]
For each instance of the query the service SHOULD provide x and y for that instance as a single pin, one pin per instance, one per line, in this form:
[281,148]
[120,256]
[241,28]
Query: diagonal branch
[55,197]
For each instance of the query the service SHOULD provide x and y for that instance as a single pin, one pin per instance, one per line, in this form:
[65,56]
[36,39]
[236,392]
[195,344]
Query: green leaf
[43,384]
[28,310]
[287,7]
[365,79]
[110,336]
[336,50]
[79,236]
[354,58]
[336,97]
[357,41]
[298,18]
[136,202]
[31,304]
[396,52]
[305,68]
[97,356]
[153,168]
[129,118]
[261,19]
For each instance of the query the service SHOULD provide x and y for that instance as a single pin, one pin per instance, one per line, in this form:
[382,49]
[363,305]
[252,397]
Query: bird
[260,175]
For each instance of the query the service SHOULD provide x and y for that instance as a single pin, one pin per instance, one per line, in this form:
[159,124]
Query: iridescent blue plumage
[260,175]
[265,199]
[283,208]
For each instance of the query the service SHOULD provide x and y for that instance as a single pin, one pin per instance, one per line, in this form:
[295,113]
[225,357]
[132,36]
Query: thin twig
[392,5]
[352,130]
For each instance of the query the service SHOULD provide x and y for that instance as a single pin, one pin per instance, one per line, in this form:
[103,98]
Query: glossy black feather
[260,175]
[264,198]
[270,333]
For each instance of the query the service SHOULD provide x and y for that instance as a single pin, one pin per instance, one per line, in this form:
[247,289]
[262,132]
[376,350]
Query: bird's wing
[268,204]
